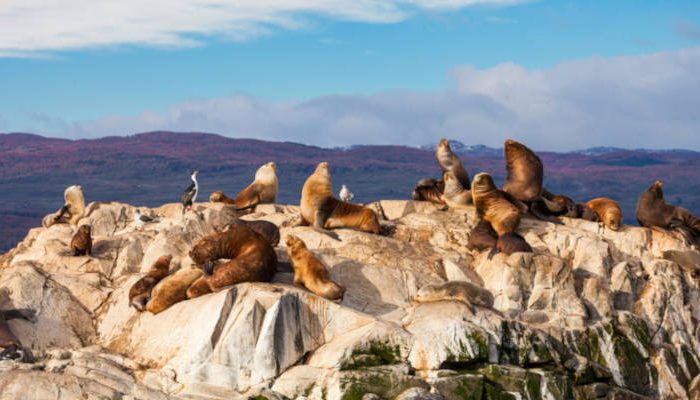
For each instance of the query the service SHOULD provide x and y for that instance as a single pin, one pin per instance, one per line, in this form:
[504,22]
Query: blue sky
[89,73]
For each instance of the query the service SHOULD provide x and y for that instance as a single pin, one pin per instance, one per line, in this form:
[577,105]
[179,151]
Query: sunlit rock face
[592,313]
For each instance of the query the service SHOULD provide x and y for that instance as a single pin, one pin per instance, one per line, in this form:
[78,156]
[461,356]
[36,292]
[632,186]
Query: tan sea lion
[72,210]
[429,189]
[464,292]
[81,244]
[497,208]
[653,211]
[252,259]
[323,211]
[608,211]
[449,161]
[310,272]
[455,195]
[140,292]
[172,289]
[263,190]
[524,181]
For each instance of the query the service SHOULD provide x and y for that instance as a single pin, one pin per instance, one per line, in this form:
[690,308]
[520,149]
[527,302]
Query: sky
[557,75]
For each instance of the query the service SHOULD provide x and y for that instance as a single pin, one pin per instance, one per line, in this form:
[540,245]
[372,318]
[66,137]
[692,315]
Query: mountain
[153,168]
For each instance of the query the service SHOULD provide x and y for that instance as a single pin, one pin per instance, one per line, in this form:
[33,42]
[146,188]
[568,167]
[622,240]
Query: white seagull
[345,193]
[140,220]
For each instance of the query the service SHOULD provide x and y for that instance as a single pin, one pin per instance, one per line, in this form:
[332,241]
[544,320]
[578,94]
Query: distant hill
[153,168]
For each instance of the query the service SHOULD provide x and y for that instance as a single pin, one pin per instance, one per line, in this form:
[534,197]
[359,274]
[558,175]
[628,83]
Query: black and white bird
[140,220]
[190,194]
[345,194]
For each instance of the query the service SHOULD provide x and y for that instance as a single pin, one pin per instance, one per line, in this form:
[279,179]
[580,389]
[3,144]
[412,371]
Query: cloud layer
[34,27]
[636,101]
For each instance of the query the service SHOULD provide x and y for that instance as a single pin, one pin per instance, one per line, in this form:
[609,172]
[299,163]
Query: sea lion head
[294,243]
[444,144]
[656,189]
[322,170]
[613,218]
[513,149]
[217,197]
[482,183]
[267,172]
[85,230]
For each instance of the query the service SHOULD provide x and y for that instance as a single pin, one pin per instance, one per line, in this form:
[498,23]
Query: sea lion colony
[243,251]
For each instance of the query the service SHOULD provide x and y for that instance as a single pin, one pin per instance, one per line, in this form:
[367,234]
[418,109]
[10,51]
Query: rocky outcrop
[592,313]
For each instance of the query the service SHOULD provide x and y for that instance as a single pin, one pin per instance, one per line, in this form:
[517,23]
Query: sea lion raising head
[81,244]
[607,211]
[524,181]
[263,190]
[252,259]
[653,211]
[323,211]
[449,161]
[310,272]
[140,292]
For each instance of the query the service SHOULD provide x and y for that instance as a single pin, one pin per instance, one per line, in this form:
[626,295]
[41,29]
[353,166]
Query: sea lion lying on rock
[429,189]
[310,272]
[464,292]
[266,229]
[607,211]
[140,292]
[252,259]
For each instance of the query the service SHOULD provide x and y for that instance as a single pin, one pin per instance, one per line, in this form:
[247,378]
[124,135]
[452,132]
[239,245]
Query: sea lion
[310,272]
[653,211]
[172,289]
[524,181]
[583,212]
[72,210]
[323,211]
[455,195]
[608,211]
[450,162]
[266,229]
[140,292]
[464,292]
[429,189]
[499,210]
[252,259]
[263,190]
[482,237]
[567,204]
[81,244]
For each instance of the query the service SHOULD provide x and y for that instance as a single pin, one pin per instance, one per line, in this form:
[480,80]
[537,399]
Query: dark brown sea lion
[524,181]
[252,259]
[607,211]
[449,161]
[310,273]
[429,189]
[567,204]
[81,244]
[263,190]
[652,211]
[323,211]
[140,292]
[512,242]
[482,237]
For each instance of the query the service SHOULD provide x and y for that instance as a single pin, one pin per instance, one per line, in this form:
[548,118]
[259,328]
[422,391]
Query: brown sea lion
[653,211]
[482,237]
[263,190]
[310,272]
[267,229]
[524,181]
[449,161]
[172,289]
[583,212]
[608,211]
[140,292]
[461,291]
[498,209]
[323,211]
[252,259]
[567,204]
[81,244]
[429,189]
[455,195]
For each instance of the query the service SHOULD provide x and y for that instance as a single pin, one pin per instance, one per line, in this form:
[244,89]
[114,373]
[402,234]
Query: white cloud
[635,101]
[28,27]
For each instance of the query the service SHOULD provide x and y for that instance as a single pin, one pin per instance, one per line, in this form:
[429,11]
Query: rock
[591,313]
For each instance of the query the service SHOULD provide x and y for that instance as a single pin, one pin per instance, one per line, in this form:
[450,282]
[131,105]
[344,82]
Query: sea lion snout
[658,184]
